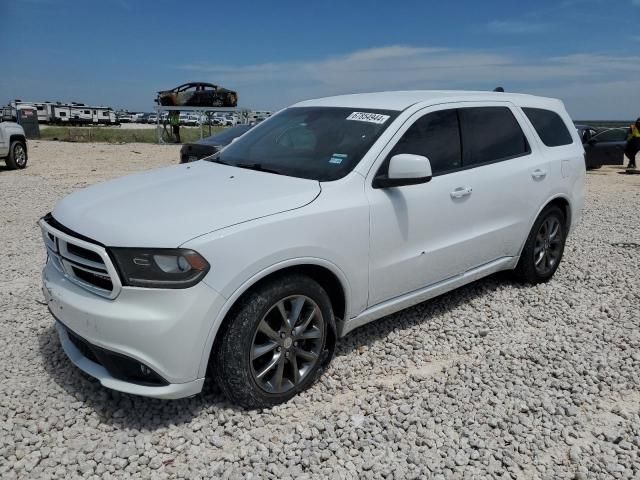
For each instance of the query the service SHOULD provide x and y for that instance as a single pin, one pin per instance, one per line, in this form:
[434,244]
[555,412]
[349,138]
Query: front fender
[247,284]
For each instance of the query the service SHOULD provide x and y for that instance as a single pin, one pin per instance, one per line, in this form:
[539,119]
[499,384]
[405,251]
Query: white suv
[251,264]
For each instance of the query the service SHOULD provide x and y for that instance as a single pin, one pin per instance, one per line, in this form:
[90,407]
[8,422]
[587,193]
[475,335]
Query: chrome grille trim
[65,261]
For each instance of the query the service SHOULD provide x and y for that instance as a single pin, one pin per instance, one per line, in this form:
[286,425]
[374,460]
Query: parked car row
[186,118]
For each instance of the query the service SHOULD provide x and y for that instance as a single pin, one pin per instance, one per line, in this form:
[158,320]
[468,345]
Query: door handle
[538,174]
[461,192]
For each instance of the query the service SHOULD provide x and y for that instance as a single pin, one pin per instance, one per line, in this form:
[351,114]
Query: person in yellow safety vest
[633,144]
[174,121]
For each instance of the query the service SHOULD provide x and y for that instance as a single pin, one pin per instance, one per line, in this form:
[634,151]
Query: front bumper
[165,330]
[170,391]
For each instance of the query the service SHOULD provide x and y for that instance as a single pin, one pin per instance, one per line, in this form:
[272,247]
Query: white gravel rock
[492,380]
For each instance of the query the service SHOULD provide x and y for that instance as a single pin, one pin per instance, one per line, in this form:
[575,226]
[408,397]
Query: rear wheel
[17,158]
[274,345]
[543,250]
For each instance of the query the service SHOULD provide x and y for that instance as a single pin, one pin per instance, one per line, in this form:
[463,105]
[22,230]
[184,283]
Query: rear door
[509,178]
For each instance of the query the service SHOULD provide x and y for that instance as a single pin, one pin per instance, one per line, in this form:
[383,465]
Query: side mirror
[405,169]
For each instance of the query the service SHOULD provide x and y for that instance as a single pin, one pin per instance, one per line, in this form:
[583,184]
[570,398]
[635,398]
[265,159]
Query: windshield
[320,143]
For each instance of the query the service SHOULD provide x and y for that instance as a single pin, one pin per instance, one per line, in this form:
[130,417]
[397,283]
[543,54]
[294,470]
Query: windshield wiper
[256,166]
[249,166]
[215,158]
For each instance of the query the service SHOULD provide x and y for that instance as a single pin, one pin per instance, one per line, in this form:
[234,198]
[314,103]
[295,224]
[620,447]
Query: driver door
[607,147]
[415,230]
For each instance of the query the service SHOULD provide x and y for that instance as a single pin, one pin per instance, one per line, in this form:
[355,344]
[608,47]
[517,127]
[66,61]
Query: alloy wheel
[287,344]
[548,245]
[20,155]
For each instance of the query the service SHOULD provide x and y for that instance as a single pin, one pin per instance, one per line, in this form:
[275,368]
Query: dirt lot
[492,380]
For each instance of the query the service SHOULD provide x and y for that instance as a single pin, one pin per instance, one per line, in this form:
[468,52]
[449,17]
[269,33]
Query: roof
[400,100]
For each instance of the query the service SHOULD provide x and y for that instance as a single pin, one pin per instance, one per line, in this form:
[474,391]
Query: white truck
[13,145]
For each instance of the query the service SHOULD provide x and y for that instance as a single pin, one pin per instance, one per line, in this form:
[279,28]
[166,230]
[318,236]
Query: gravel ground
[492,380]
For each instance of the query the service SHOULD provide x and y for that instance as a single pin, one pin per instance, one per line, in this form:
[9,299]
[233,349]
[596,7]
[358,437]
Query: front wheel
[274,345]
[17,158]
[544,247]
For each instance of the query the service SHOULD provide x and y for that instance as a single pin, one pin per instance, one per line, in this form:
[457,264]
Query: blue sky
[120,52]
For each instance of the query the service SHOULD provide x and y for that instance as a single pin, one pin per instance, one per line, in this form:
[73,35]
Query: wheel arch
[559,200]
[18,137]
[327,274]
[562,202]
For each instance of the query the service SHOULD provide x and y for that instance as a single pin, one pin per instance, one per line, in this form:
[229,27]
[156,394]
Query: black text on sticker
[368,117]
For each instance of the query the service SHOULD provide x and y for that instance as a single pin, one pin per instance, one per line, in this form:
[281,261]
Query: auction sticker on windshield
[368,117]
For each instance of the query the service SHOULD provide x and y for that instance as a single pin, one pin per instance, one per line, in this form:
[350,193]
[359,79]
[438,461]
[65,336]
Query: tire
[17,158]
[260,361]
[543,249]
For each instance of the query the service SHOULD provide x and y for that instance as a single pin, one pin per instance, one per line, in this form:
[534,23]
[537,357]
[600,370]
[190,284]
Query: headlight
[160,268]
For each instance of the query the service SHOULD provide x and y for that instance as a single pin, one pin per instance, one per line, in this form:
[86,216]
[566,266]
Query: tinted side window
[612,135]
[550,127]
[435,136]
[490,134]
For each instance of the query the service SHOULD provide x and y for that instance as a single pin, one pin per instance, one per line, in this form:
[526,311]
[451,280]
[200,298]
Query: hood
[169,206]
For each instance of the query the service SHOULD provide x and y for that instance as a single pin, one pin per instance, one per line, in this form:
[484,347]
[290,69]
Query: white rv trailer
[80,114]
[59,113]
[45,111]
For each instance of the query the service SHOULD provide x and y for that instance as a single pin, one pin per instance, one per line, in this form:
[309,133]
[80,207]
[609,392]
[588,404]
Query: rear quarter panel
[566,163]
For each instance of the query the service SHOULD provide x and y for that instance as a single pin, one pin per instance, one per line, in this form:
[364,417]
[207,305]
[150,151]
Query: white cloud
[571,77]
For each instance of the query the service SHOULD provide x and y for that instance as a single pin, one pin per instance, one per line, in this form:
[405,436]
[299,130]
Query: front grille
[97,279]
[82,261]
[83,253]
